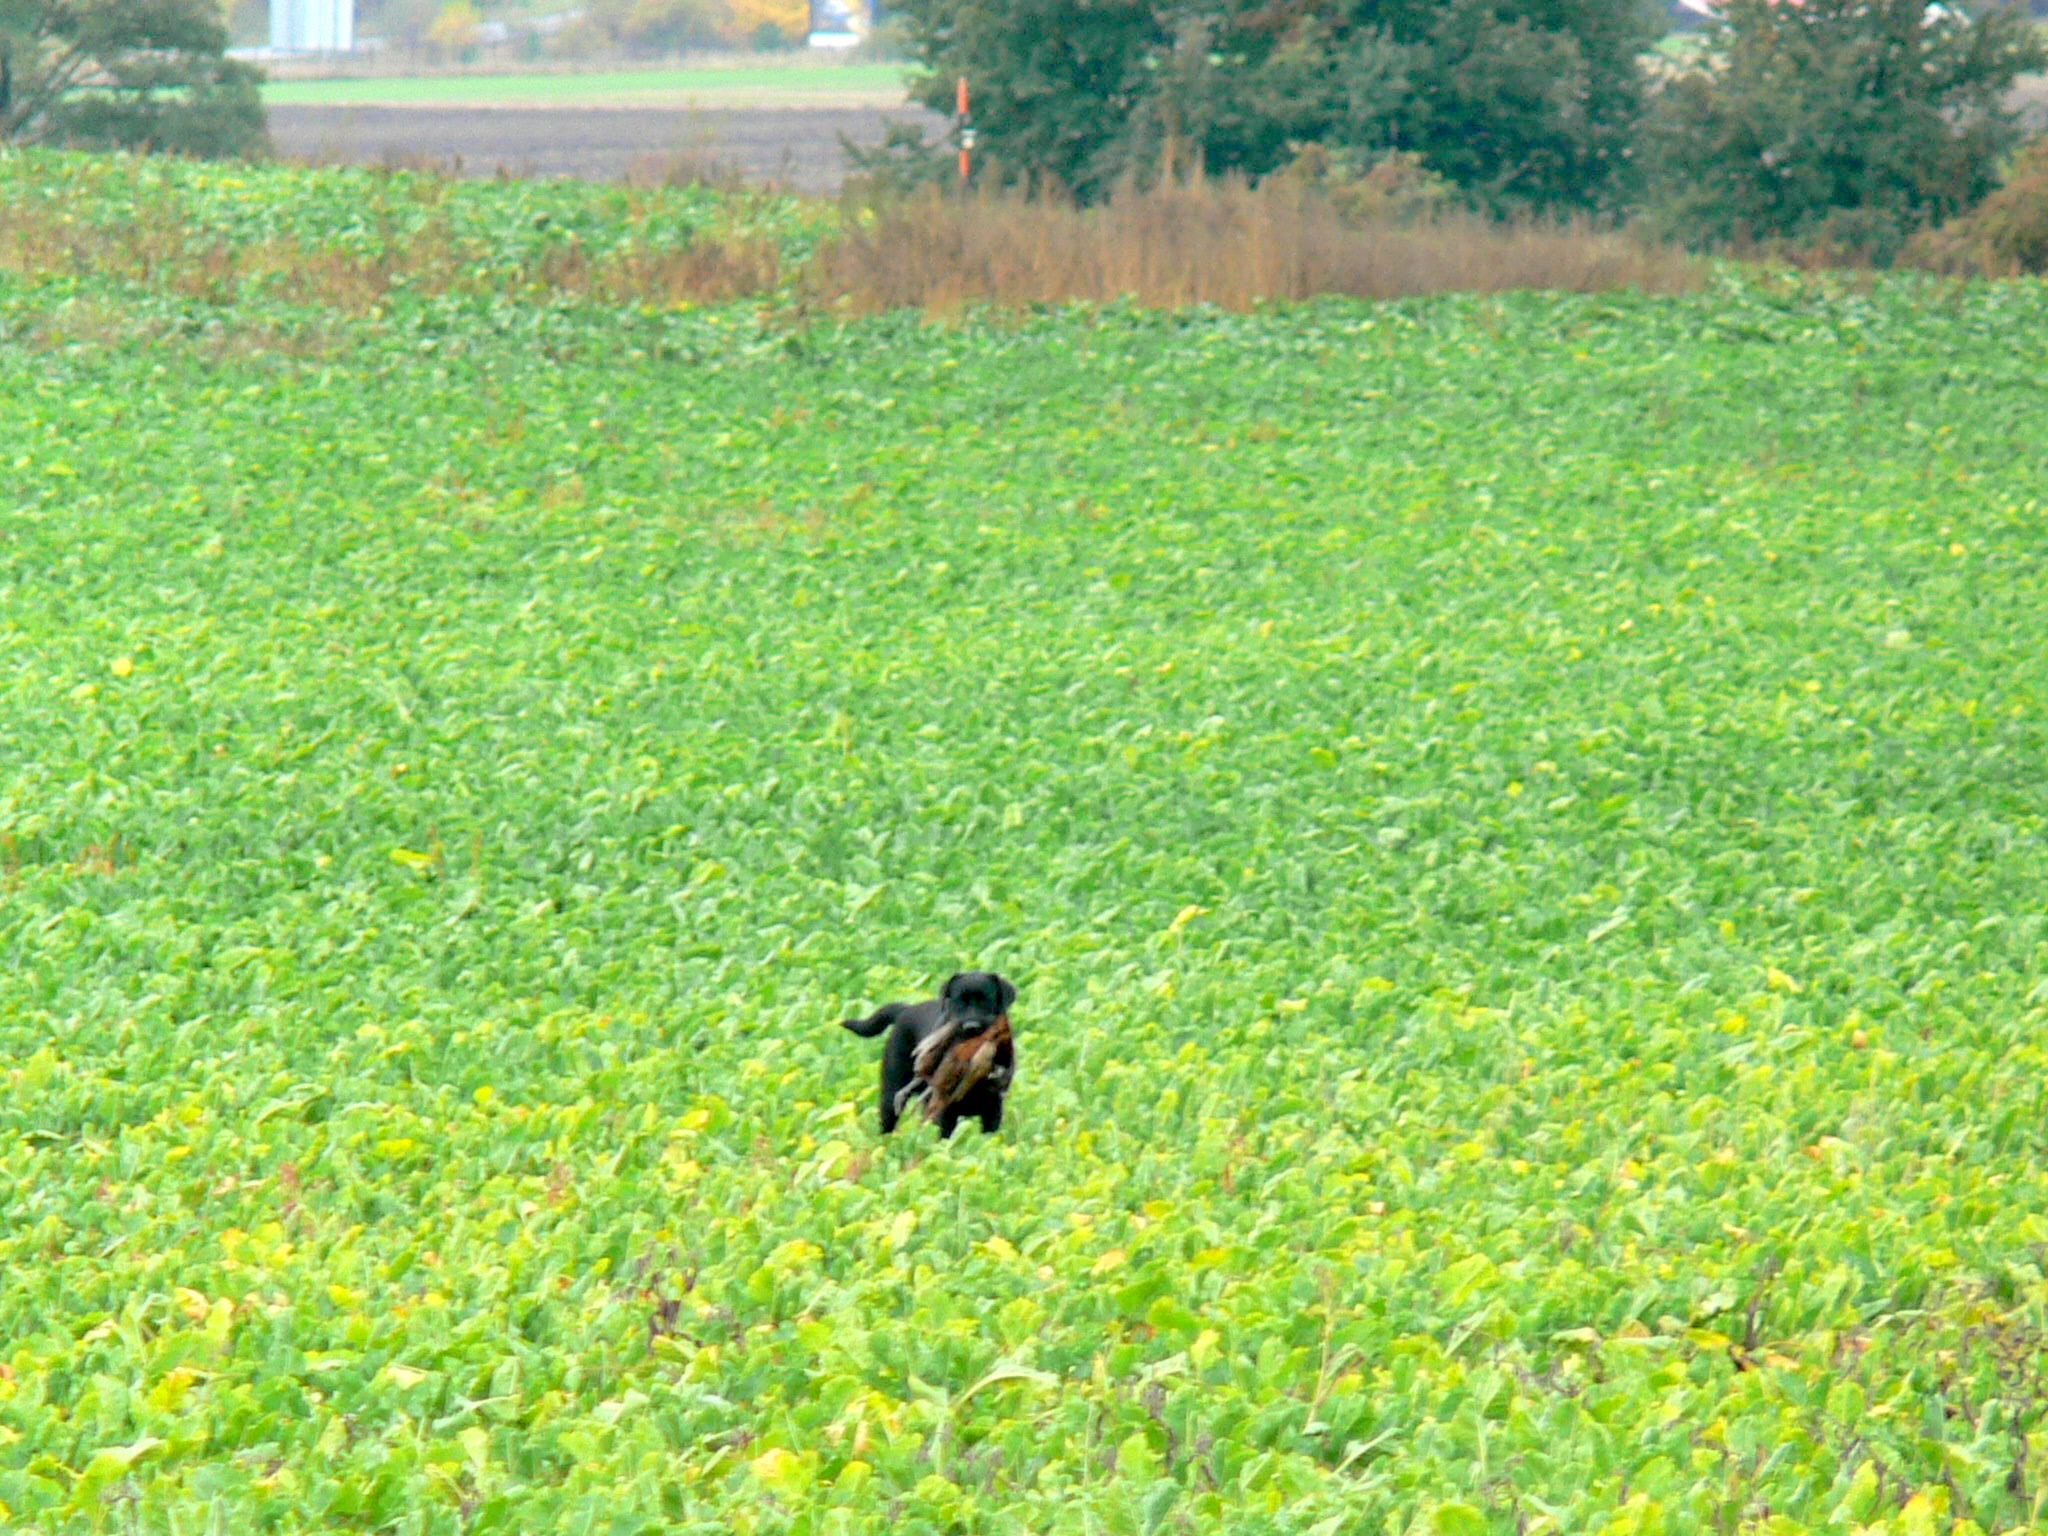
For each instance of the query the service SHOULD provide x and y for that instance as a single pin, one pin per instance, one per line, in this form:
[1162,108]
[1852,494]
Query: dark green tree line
[1524,103]
[1854,121]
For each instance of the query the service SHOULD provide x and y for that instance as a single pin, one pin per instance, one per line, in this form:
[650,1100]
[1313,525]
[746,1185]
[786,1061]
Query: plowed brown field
[797,146]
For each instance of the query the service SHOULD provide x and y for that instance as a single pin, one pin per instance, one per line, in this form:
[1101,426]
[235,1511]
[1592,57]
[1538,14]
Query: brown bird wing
[965,1063]
[925,1060]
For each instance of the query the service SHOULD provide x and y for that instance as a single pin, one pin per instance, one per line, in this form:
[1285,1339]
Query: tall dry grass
[1212,242]
[1222,243]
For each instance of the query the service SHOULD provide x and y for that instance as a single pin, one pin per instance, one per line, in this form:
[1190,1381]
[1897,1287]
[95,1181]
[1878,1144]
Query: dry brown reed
[1212,242]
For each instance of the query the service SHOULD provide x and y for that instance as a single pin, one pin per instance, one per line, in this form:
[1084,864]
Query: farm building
[843,23]
[312,26]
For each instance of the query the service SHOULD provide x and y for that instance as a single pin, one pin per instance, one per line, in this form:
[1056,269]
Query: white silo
[313,26]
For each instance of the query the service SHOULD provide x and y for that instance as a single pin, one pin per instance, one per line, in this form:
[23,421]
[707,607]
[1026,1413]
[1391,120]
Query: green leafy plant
[1517,819]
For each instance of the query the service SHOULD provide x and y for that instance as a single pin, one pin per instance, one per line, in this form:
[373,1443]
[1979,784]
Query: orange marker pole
[966,133]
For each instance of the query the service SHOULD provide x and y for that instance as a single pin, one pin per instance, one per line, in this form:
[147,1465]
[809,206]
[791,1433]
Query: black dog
[970,1003]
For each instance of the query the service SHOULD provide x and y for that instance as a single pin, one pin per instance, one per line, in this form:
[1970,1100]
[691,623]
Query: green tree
[1849,122]
[651,27]
[456,27]
[139,74]
[1522,103]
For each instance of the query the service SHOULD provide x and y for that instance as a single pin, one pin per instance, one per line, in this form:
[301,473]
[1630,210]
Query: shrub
[1393,189]
[648,27]
[905,161]
[2005,234]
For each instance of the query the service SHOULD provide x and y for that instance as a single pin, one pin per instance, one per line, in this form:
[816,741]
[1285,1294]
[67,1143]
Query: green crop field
[1518,823]
[737,85]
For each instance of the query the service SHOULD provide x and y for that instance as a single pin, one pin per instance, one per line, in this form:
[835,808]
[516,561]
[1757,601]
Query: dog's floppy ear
[1007,992]
[951,982]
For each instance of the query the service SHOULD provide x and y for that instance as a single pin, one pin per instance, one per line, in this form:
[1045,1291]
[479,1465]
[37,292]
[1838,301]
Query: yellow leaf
[794,1254]
[1185,916]
[191,1303]
[405,1375]
[1114,1259]
[170,1392]
[1918,1518]
[781,1468]
[413,859]
[121,666]
[476,1445]
[1778,981]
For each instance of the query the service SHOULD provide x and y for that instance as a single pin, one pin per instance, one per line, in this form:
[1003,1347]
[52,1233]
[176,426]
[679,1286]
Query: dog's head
[977,999]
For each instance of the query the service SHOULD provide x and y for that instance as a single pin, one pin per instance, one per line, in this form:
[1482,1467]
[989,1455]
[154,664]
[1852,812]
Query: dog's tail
[872,1025]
